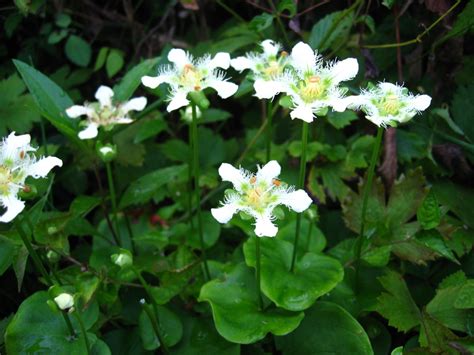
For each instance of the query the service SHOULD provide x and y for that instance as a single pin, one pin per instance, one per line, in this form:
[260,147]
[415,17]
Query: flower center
[391,104]
[5,179]
[106,115]
[273,69]
[191,77]
[312,89]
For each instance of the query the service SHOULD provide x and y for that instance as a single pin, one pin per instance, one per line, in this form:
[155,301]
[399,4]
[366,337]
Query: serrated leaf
[397,305]
[331,30]
[429,214]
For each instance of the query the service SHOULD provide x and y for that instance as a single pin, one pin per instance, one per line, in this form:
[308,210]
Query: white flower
[388,104]
[64,301]
[314,86]
[188,74]
[123,259]
[104,113]
[267,67]
[257,195]
[16,164]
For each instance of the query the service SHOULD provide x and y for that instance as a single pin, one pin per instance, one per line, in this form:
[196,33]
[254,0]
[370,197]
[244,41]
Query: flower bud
[106,152]
[199,99]
[28,192]
[122,259]
[64,301]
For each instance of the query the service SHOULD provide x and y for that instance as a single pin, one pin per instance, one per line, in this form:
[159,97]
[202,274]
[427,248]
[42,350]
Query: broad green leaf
[465,298]
[17,110]
[434,240]
[170,327]
[82,205]
[331,30]
[78,51]
[176,150]
[436,337]
[464,21]
[314,274]
[149,129]
[142,190]
[326,329]
[132,80]
[233,299]
[200,337]
[396,304]
[125,341]
[101,57]
[114,62]
[341,119]
[7,249]
[210,230]
[462,107]
[429,214]
[51,100]
[311,238]
[35,328]
[458,198]
[214,115]
[442,308]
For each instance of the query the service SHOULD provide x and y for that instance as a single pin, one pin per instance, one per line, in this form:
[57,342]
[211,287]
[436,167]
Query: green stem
[83,331]
[279,21]
[196,188]
[269,130]
[257,270]
[190,178]
[34,255]
[365,198]
[154,319]
[113,199]
[40,267]
[304,143]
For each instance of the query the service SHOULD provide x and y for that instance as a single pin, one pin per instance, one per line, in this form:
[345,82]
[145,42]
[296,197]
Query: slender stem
[230,11]
[154,319]
[83,331]
[257,270]
[69,326]
[279,21]
[418,38]
[196,188]
[269,130]
[304,143]
[252,142]
[113,198]
[190,178]
[40,267]
[34,255]
[365,198]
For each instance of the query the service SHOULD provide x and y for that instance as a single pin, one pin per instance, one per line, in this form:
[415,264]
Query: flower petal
[220,60]
[13,142]
[42,167]
[242,63]
[303,57]
[135,104]
[224,214]
[421,102]
[77,110]
[264,227]
[13,205]
[233,175]
[89,132]
[269,171]
[270,48]
[298,200]
[224,88]
[179,57]
[178,100]
[123,120]
[154,81]
[303,112]
[344,70]
[268,89]
[104,94]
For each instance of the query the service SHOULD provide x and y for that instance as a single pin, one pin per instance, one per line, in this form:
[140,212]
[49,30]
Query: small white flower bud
[64,301]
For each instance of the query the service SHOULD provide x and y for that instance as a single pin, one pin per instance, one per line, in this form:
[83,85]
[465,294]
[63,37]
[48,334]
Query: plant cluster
[136,246]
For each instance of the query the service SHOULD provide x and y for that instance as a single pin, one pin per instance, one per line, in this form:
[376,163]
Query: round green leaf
[37,329]
[235,308]
[6,253]
[200,337]
[170,326]
[311,237]
[78,51]
[314,274]
[114,62]
[326,329]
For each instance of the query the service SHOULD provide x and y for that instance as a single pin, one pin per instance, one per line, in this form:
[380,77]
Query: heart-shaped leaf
[326,329]
[314,274]
[170,326]
[37,329]
[235,309]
